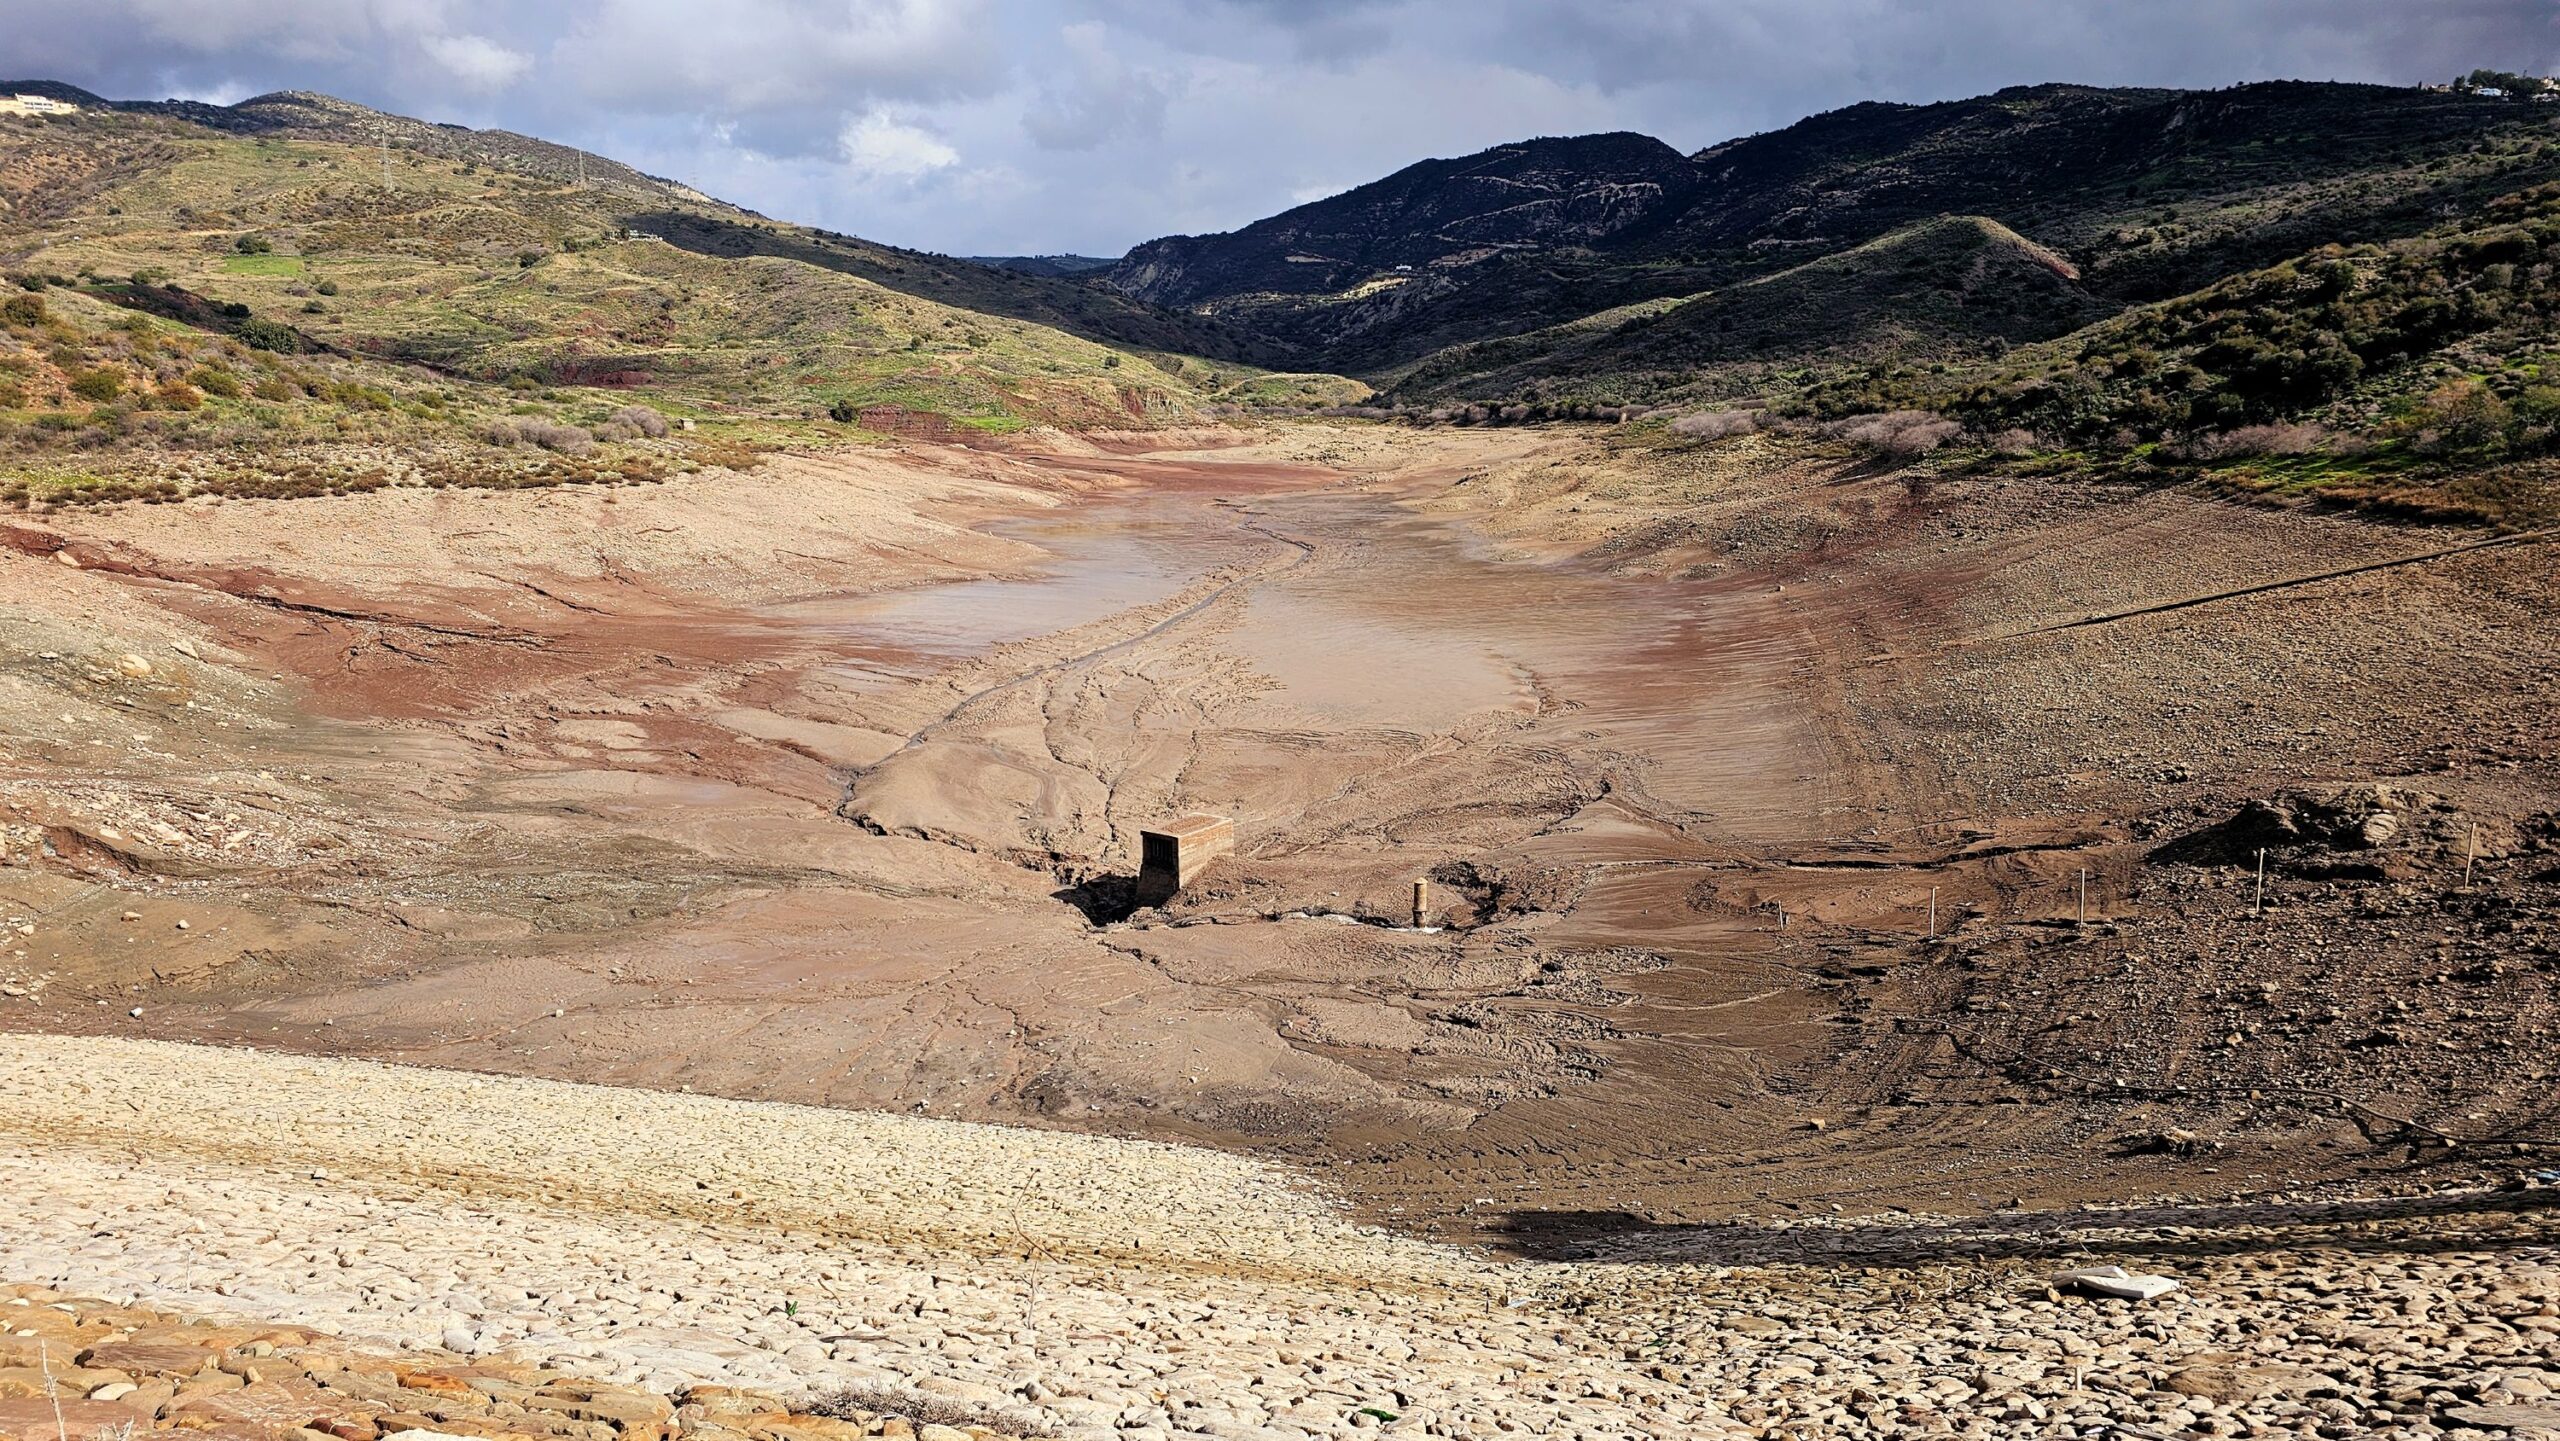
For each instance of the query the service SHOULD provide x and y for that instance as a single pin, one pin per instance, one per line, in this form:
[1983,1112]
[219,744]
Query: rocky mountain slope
[2148,193]
[1962,285]
[1532,196]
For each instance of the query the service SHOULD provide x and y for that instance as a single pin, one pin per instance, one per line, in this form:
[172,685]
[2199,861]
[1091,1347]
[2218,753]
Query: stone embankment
[531,1241]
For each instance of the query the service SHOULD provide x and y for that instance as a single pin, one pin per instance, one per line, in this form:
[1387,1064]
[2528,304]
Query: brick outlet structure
[1174,855]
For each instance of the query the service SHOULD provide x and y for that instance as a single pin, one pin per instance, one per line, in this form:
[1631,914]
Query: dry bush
[2016,442]
[2297,438]
[632,422]
[548,434]
[1717,424]
[1901,433]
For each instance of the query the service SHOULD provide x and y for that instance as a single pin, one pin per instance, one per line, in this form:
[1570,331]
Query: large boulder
[2367,831]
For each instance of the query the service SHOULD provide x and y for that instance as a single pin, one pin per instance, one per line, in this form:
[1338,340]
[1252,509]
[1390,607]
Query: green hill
[1955,287]
[209,297]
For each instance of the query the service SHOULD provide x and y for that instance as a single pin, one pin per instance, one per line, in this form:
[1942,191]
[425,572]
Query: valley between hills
[1874,861]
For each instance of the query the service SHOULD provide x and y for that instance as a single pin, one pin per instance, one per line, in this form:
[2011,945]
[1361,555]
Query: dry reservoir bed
[1814,854]
[1108,1287]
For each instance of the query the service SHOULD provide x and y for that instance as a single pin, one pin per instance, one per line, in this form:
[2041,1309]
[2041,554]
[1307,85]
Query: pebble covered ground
[1098,1288]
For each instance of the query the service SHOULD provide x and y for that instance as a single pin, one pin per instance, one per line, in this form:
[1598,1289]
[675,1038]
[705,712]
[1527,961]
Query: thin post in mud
[1421,900]
[1933,913]
[2258,907]
[2471,853]
[2081,916]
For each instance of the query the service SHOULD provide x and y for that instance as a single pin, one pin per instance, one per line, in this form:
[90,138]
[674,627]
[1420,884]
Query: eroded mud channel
[824,785]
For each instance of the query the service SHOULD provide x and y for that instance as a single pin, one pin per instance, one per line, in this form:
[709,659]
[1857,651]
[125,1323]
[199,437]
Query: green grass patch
[262,265]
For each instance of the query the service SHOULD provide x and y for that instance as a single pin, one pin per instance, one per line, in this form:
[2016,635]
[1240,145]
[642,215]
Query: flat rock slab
[2507,1417]
[2117,1282]
[161,1358]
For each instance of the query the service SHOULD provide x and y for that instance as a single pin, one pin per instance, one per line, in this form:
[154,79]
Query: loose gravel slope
[1150,1291]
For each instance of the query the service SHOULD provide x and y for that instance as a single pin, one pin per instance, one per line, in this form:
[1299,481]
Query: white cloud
[477,61]
[1097,96]
[1010,126]
[880,147]
[783,73]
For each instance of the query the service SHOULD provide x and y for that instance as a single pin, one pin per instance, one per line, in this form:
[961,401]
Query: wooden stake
[2082,917]
[2259,906]
[1933,913]
[1421,901]
[2471,854]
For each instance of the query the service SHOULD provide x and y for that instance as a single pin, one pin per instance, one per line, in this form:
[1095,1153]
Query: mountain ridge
[2150,191]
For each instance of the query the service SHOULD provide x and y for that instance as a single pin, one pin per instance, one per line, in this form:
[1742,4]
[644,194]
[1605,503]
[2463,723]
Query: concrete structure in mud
[1174,855]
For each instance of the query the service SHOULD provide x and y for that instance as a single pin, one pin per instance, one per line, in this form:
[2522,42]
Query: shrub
[254,245]
[548,434]
[327,287]
[262,334]
[98,383]
[24,310]
[178,395]
[632,422]
[2299,438]
[2461,416]
[214,380]
[1716,424]
[844,412]
[1900,433]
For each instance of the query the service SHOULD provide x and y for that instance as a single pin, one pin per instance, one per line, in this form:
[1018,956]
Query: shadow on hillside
[2469,1222]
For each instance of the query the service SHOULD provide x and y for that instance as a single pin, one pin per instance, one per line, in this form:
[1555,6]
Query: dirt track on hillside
[823,785]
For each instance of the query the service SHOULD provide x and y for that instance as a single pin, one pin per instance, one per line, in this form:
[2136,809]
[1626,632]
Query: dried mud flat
[821,785]
[1091,1286]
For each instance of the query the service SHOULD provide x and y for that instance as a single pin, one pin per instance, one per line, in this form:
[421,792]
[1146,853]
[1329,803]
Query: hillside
[1954,287]
[1535,195]
[2416,373]
[2148,193]
[296,294]
[1052,265]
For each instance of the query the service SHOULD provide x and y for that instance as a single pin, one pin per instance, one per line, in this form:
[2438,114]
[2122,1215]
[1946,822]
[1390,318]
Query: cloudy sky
[1013,126]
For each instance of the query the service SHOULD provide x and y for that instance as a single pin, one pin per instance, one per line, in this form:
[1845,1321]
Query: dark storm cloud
[1008,125]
